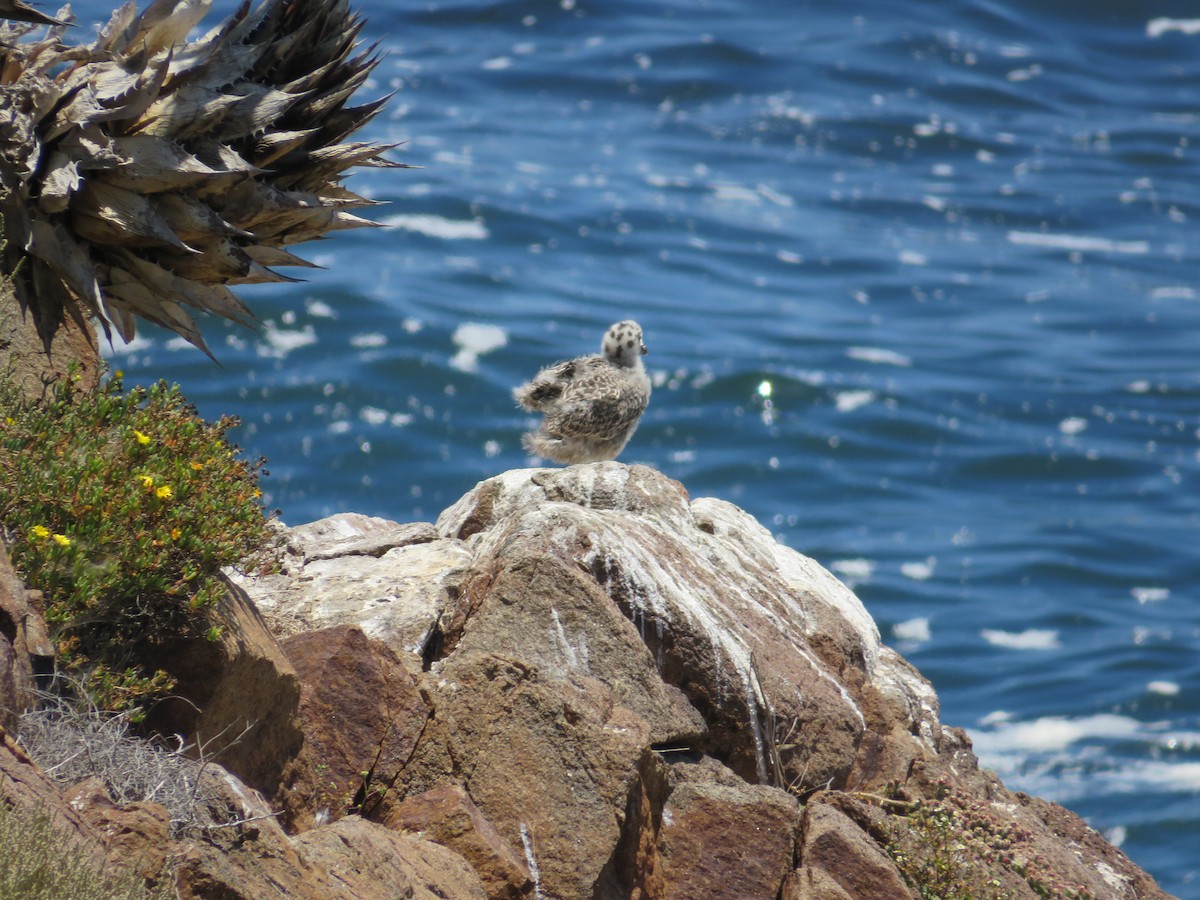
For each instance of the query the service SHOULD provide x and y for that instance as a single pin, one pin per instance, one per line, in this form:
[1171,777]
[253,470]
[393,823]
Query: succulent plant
[143,174]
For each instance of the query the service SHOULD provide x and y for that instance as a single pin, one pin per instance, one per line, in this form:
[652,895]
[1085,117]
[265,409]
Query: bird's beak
[644,350]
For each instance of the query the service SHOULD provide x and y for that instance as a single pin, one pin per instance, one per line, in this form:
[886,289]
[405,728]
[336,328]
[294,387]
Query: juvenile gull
[590,405]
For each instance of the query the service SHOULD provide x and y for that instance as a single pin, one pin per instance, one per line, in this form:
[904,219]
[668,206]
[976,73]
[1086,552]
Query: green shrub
[122,508]
[39,862]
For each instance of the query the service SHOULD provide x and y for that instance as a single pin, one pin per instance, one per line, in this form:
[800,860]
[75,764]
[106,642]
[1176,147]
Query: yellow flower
[197,465]
[257,493]
[62,540]
[164,492]
[147,481]
[175,533]
[41,531]
[141,438]
[9,420]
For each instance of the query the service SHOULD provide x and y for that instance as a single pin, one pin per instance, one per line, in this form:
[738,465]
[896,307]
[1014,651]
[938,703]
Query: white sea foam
[848,401]
[369,340]
[373,415]
[1163,688]
[1145,595]
[439,226]
[279,342]
[879,355]
[919,571]
[1043,756]
[1077,243]
[1030,639]
[139,344]
[1073,425]
[474,339]
[1156,28]
[1174,292]
[1052,733]
[914,630]
[736,193]
[853,571]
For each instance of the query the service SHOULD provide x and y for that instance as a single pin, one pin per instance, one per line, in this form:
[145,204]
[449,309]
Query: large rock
[448,816]
[635,692]
[549,759]
[834,850]
[136,837]
[773,653]
[360,714]
[726,840]
[244,854]
[236,697]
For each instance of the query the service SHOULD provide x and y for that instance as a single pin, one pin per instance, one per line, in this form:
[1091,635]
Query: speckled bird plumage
[590,405]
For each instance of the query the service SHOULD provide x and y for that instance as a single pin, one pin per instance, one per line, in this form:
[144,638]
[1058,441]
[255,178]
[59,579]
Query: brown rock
[720,841]
[815,884]
[238,695]
[135,837]
[25,786]
[366,860]
[361,714]
[549,614]
[25,646]
[578,633]
[756,637]
[251,857]
[833,845]
[550,760]
[447,816]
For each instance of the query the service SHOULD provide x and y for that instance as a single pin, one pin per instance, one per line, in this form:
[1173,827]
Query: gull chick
[590,405]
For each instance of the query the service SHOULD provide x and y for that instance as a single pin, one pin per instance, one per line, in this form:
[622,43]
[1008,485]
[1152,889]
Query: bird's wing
[547,386]
[599,402]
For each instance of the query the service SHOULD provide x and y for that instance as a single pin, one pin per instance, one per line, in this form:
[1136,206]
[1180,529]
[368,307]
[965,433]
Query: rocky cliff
[578,683]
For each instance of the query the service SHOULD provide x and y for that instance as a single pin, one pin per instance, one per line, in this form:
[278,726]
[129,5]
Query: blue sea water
[919,283]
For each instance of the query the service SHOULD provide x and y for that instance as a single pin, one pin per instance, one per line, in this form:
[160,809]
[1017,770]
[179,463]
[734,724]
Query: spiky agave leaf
[142,173]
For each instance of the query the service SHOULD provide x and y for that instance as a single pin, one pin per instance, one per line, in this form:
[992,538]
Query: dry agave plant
[142,174]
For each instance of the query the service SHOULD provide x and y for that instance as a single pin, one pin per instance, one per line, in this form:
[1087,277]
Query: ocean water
[919,284]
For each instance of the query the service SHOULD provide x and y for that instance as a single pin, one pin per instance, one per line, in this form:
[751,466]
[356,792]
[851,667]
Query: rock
[24,786]
[353,534]
[724,841]
[360,713]
[632,688]
[135,837]
[546,612]
[367,861]
[237,695]
[550,760]
[447,816]
[391,580]
[352,859]
[769,648]
[816,884]
[25,648]
[835,850]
